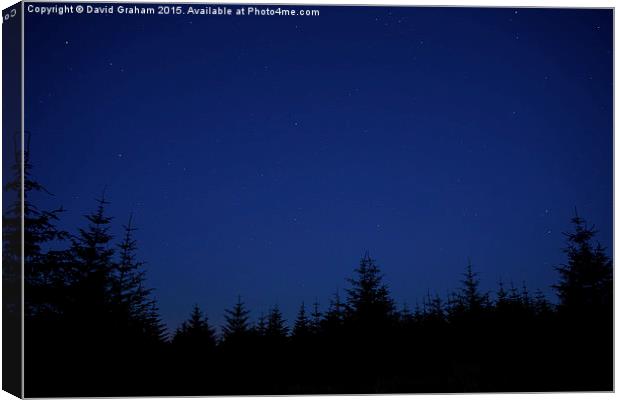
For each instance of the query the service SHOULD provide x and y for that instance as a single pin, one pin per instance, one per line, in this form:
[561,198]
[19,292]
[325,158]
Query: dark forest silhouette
[92,327]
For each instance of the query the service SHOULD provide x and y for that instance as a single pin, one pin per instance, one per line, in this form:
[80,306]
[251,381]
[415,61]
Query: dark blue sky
[262,155]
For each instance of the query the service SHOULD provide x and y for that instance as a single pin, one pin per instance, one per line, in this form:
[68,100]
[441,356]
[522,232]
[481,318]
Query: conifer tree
[436,312]
[195,334]
[542,306]
[514,296]
[132,303]
[93,266]
[472,299]
[417,312]
[261,326]
[276,325]
[43,277]
[455,307]
[405,317]
[525,297]
[155,330]
[237,327]
[128,271]
[502,295]
[302,327]
[368,299]
[586,279]
[335,316]
[316,318]
[504,305]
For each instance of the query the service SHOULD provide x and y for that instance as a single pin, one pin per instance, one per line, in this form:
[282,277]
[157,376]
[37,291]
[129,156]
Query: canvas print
[239,199]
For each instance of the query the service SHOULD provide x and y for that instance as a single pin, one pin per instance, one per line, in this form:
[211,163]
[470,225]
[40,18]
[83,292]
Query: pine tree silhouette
[502,295]
[276,325]
[43,276]
[43,280]
[132,304]
[237,327]
[302,327]
[368,299]
[92,270]
[155,330]
[472,299]
[435,310]
[276,341]
[335,315]
[585,310]
[316,315]
[525,297]
[405,316]
[261,326]
[541,305]
[586,280]
[195,335]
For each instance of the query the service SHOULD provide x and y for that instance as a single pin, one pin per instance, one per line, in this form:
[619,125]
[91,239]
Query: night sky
[261,156]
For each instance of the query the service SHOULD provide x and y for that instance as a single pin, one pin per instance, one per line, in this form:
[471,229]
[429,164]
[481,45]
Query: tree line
[92,325]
